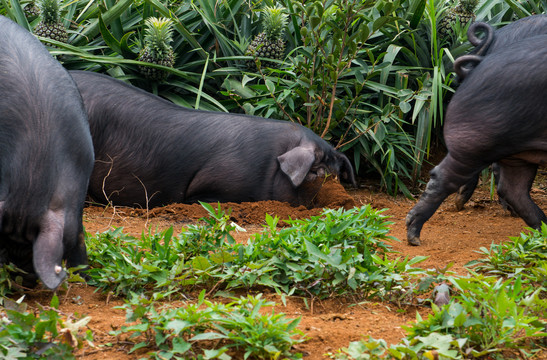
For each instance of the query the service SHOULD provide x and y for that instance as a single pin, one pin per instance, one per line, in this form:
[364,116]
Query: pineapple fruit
[269,43]
[31,10]
[50,25]
[464,11]
[157,49]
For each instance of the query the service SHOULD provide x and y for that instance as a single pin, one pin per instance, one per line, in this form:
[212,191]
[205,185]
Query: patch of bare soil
[449,237]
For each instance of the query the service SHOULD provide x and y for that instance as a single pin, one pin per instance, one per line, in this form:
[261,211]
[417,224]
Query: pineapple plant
[31,10]
[158,35]
[269,43]
[50,25]
[464,11]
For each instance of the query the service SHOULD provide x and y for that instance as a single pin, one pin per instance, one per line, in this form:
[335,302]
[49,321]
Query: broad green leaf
[200,263]
[270,85]
[178,325]
[314,251]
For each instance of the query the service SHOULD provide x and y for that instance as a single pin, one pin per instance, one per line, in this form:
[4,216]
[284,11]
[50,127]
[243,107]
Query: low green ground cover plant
[324,255]
[524,256]
[499,309]
[45,334]
[337,252]
[207,330]
[489,317]
[340,252]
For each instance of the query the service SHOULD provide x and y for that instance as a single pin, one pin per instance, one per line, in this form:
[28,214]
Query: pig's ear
[48,249]
[346,170]
[296,163]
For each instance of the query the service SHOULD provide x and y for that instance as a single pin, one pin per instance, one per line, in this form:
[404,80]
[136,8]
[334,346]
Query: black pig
[492,42]
[514,32]
[150,152]
[46,158]
[498,114]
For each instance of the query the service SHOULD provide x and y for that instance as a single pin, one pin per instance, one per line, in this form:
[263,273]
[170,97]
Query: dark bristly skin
[491,42]
[498,114]
[150,152]
[46,158]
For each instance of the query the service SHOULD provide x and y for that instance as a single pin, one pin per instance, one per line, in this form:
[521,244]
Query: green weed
[525,256]
[47,334]
[339,252]
[207,330]
[486,316]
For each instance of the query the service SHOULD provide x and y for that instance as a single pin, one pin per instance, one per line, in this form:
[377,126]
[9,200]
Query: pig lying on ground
[498,114]
[46,158]
[150,152]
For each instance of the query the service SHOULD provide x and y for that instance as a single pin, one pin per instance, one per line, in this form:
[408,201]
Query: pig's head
[312,160]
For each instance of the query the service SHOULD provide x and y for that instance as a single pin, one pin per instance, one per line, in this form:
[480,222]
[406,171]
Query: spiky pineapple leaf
[108,38]
[93,28]
[181,29]
[49,11]
[274,22]
[419,8]
[126,49]
[158,35]
[15,12]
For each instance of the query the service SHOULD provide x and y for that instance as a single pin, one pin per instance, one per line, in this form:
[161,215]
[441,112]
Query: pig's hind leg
[465,192]
[445,179]
[515,183]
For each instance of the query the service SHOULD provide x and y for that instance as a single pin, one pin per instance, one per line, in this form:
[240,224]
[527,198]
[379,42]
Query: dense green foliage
[371,77]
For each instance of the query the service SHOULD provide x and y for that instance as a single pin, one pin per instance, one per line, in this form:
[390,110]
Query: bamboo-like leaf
[417,10]
[203,74]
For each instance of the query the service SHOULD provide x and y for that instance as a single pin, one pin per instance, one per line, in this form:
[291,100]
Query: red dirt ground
[449,237]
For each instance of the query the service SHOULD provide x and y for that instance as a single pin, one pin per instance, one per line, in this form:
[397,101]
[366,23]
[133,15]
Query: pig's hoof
[460,203]
[414,241]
